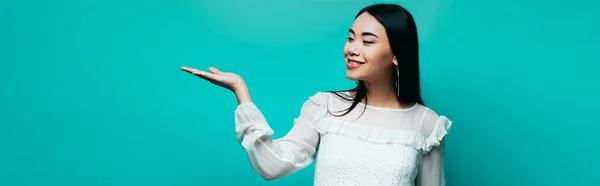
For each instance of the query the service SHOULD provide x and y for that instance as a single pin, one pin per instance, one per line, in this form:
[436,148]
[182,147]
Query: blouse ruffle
[413,139]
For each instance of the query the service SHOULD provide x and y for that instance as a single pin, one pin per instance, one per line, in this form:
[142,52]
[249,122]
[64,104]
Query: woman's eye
[350,39]
[368,42]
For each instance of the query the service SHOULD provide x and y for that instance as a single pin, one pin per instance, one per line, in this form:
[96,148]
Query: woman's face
[367,52]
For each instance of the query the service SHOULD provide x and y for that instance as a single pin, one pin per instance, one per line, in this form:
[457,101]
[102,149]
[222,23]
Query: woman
[393,139]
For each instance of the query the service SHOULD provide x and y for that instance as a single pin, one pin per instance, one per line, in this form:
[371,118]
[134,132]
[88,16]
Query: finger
[200,72]
[214,70]
[195,71]
[188,69]
[204,75]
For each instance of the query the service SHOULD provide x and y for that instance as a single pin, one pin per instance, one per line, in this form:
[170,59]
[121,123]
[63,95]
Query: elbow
[270,176]
[273,171]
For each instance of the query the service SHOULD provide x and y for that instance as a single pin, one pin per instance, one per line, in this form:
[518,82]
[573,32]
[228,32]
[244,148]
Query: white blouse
[384,146]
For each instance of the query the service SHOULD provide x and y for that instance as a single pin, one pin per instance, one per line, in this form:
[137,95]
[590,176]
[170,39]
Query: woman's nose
[353,51]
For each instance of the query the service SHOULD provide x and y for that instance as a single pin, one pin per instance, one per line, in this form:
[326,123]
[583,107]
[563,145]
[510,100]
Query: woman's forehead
[367,23]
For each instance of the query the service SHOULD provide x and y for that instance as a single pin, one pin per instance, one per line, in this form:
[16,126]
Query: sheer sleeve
[432,170]
[276,158]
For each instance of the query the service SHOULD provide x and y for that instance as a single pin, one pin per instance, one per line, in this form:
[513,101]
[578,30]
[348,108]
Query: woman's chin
[352,76]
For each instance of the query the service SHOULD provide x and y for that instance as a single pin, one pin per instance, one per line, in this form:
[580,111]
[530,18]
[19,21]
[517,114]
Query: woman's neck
[382,95]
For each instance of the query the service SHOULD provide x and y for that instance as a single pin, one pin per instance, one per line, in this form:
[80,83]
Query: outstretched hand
[227,80]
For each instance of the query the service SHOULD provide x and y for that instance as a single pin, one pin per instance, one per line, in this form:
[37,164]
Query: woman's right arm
[271,158]
[276,158]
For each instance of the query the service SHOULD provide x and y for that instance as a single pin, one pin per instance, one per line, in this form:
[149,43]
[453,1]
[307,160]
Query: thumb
[214,70]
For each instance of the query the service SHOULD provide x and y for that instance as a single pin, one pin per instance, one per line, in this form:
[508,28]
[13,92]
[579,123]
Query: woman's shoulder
[324,96]
[430,117]
[320,98]
[427,113]
[435,124]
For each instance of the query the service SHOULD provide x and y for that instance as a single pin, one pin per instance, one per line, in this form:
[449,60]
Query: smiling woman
[394,139]
[89,94]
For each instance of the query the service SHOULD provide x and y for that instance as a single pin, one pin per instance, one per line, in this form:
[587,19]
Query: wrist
[243,95]
[240,88]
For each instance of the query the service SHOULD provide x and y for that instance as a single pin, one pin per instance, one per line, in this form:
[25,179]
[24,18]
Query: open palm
[227,80]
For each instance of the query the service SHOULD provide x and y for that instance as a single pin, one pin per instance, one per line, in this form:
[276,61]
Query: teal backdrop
[91,93]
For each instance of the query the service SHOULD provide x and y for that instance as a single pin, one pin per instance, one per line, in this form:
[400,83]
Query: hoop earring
[397,82]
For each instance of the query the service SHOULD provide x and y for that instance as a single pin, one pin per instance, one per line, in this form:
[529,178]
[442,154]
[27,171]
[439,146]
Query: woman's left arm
[431,171]
[431,166]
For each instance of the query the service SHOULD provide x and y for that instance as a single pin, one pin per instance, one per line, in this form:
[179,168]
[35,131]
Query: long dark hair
[402,33]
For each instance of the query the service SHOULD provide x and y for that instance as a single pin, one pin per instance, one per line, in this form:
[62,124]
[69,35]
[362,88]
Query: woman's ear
[395,61]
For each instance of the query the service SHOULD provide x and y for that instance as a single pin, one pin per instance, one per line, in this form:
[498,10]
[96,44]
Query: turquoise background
[91,92]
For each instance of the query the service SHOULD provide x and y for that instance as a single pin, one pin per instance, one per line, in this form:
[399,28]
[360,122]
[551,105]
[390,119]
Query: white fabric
[399,147]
